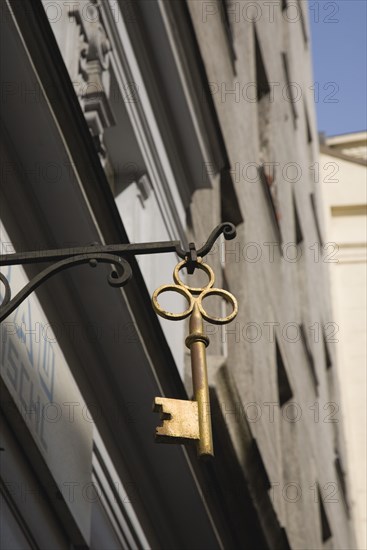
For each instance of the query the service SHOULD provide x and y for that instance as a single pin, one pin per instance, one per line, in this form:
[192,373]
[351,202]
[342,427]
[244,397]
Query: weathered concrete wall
[275,292]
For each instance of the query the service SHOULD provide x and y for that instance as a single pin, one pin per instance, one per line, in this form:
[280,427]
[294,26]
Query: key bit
[180,420]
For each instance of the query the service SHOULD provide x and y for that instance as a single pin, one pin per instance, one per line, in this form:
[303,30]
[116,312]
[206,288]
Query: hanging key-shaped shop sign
[183,420]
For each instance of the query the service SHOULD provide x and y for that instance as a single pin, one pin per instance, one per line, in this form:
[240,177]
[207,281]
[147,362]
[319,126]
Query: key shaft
[197,343]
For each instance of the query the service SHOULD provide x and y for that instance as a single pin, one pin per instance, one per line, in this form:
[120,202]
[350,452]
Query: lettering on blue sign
[12,373]
[47,369]
[29,370]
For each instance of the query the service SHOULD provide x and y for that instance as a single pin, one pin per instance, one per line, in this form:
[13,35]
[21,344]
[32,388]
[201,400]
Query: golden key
[182,420]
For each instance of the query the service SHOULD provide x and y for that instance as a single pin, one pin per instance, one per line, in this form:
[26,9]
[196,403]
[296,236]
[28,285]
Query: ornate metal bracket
[116,255]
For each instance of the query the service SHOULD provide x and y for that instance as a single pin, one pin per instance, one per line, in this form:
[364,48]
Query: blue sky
[339,47]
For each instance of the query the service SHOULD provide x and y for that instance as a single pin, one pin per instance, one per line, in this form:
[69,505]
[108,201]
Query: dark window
[297,223]
[325,527]
[225,6]
[284,4]
[328,360]
[309,356]
[303,22]
[266,184]
[290,88]
[314,210]
[262,82]
[342,485]
[284,388]
[308,127]
[263,101]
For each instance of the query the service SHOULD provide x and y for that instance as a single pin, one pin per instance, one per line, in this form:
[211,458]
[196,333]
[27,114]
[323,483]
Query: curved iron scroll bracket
[229,233]
[116,255]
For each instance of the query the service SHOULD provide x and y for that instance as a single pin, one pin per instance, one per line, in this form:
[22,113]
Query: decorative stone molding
[94,65]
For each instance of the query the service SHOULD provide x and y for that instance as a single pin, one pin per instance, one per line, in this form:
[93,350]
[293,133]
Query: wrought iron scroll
[115,255]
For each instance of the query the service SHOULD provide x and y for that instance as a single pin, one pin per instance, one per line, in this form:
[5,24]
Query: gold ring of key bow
[184,420]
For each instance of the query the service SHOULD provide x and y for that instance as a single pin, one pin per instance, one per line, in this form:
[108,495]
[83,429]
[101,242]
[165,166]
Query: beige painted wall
[345,201]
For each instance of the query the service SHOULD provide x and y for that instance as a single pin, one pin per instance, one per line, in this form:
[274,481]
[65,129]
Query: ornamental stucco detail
[92,78]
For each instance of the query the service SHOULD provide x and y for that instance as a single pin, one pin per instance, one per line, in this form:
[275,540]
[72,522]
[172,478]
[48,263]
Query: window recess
[327,355]
[267,182]
[308,127]
[325,526]
[309,356]
[263,101]
[317,223]
[285,392]
[262,82]
[225,7]
[342,484]
[297,223]
[303,22]
[290,89]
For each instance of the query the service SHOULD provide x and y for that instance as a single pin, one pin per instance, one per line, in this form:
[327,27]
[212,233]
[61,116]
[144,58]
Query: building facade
[152,121]
[343,161]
